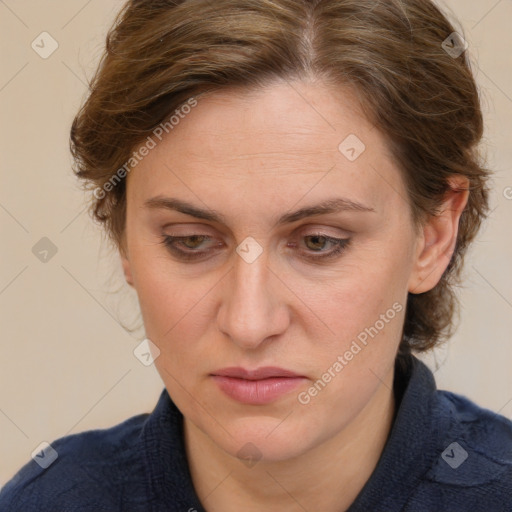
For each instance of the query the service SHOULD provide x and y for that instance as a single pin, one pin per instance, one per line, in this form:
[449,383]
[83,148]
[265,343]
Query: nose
[254,307]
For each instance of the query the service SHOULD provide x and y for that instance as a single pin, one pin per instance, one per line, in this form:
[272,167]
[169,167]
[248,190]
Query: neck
[328,477]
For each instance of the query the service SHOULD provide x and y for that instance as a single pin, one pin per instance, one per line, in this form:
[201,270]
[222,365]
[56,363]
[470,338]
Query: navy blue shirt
[444,453]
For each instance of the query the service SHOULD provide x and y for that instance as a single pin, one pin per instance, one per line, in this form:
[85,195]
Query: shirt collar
[412,445]
[169,483]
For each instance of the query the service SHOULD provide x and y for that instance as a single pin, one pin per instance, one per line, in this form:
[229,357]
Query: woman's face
[265,287]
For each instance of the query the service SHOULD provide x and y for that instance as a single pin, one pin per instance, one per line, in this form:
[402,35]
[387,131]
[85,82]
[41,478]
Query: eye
[191,244]
[320,240]
[188,247]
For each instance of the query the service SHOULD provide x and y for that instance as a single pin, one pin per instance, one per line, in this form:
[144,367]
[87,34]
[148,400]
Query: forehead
[282,118]
[285,138]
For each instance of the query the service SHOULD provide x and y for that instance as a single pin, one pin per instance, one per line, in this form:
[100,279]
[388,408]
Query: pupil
[321,238]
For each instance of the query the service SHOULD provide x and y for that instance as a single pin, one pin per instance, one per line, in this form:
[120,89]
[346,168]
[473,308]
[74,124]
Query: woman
[292,186]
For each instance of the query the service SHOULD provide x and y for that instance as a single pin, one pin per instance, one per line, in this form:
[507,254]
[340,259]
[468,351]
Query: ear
[438,238]
[125,262]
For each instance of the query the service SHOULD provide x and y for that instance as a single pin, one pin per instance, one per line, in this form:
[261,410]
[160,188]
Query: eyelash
[170,241]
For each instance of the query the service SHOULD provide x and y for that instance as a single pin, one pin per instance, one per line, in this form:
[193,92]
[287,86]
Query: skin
[253,156]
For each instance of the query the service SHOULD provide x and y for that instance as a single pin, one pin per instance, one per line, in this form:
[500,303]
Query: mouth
[264,372]
[256,387]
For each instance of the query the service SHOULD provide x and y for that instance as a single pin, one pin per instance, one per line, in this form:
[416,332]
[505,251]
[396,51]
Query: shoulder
[85,471]
[475,455]
[485,433]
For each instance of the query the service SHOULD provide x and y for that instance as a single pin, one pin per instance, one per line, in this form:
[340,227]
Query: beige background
[66,363]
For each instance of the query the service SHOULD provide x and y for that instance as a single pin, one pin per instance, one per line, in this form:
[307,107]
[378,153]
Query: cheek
[176,309]
[365,312]
[160,293]
[169,304]
[171,311]
[366,291]
[366,315]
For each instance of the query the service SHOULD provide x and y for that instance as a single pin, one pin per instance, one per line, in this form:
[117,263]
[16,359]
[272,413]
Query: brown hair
[159,53]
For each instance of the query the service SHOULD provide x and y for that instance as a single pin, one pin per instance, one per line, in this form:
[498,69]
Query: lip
[256,387]
[264,372]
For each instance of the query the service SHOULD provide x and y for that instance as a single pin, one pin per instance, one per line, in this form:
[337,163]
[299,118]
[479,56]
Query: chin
[262,439]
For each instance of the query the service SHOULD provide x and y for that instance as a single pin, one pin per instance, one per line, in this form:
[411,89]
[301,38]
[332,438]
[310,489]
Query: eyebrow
[333,205]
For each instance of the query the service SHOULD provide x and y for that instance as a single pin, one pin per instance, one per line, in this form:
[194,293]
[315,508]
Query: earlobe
[125,262]
[438,238]
[127,271]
